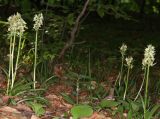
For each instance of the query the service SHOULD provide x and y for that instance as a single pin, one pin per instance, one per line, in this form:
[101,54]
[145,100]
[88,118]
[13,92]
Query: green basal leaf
[108,103]
[67,98]
[37,108]
[151,112]
[80,111]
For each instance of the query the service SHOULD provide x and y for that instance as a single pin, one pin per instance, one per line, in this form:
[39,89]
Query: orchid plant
[147,62]
[16,28]
[129,64]
[123,50]
[38,19]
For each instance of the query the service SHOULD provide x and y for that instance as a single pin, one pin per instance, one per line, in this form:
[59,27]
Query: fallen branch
[74,31]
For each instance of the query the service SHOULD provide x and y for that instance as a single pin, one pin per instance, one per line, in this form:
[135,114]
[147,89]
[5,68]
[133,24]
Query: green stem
[12,60]
[89,64]
[146,92]
[18,54]
[77,90]
[126,84]
[10,65]
[35,61]
[141,85]
[121,72]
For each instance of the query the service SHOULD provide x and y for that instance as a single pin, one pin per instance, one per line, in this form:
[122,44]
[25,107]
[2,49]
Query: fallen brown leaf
[23,107]
[9,109]
[10,113]
[34,117]
[5,99]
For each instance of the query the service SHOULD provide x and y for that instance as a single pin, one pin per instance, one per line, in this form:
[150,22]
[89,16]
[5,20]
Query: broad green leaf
[108,103]
[37,108]
[80,111]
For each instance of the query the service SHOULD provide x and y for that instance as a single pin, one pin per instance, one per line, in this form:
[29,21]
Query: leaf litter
[58,107]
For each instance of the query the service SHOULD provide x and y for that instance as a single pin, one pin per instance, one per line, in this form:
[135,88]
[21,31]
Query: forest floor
[57,107]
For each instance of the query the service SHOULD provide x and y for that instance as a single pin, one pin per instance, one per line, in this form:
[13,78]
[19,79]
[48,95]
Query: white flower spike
[149,56]
[16,24]
[129,62]
[123,49]
[38,19]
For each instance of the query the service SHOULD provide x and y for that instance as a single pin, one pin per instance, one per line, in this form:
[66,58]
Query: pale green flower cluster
[123,49]
[129,62]
[149,55]
[16,24]
[38,19]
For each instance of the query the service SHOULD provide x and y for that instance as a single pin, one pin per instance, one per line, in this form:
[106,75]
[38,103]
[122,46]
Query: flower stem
[126,84]
[146,92]
[121,72]
[12,61]
[35,61]
[18,54]
[10,65]
[77,90]
[141,85]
